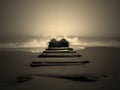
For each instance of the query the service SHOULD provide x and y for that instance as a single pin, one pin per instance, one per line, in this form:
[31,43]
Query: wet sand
[101,73]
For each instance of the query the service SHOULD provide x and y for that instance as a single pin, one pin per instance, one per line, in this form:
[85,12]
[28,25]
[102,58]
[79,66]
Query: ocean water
[39,44]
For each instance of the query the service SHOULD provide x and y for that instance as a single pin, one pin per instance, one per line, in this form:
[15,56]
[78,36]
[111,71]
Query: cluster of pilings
[59,49]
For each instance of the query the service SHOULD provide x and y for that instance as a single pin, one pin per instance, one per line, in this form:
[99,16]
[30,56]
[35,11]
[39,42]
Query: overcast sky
[59,17]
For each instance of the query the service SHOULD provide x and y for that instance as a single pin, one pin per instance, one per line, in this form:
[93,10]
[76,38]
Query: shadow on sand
[72,77]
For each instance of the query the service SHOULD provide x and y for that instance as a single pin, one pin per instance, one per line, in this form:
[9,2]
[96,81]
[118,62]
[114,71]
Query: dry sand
[103,69]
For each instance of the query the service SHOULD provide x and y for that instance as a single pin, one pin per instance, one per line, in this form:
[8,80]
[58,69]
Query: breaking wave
[75,42]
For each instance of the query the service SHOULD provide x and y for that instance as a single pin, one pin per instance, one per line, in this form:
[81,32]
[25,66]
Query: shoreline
[39,51]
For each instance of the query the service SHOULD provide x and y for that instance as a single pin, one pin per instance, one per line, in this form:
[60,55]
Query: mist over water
[39,44]
[73,18]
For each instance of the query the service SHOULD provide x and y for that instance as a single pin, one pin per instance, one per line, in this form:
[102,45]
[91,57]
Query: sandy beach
[102,73]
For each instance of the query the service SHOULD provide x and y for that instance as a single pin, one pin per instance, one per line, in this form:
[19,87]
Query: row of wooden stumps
[58,49]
